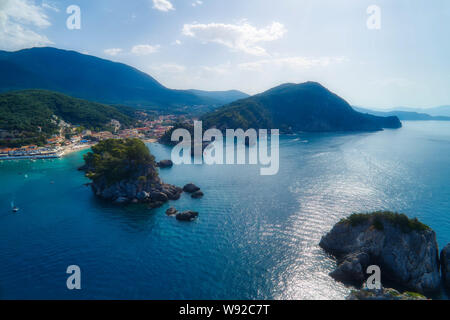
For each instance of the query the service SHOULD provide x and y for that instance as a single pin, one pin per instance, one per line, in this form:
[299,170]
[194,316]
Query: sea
[256,236]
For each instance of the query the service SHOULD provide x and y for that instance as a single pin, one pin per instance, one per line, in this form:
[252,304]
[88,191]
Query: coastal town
[148,130]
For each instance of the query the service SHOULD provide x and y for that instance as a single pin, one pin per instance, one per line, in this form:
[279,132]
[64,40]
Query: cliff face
[406,256]
[445,262]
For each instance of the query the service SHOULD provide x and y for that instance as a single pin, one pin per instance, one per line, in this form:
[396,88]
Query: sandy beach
[70,150]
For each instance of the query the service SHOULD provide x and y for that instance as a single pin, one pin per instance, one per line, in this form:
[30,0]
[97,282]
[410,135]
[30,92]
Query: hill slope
[22,112]
[222,97]
[296,107]
[94,79]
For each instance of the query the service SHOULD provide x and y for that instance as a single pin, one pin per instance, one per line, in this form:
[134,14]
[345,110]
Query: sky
[375,54]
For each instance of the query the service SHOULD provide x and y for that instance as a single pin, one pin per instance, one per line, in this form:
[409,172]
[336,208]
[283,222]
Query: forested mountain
[91,78]
[296,107]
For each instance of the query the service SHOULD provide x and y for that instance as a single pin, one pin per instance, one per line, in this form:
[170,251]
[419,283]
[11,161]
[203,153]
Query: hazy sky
[252,45]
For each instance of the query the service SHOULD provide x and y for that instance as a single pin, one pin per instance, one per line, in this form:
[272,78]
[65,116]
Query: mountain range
[409,115]
[308,107]
[434,111]
[95,79]
[289,107]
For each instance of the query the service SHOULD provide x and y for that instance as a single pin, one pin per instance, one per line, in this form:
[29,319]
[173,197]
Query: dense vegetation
[23,112]
[400,220]
[94,79]
[167,137]
[296,107]
[117,159]
[243,114]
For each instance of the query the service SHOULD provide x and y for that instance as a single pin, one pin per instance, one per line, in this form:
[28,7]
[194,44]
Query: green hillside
[23,112]
[307,107]
[95,79]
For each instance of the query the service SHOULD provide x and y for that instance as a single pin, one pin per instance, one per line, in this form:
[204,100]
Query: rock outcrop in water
[165,164]
[124,171]
[190,188]
[405,250]
[187,216]
[171,211]
[445,265]
[197,194]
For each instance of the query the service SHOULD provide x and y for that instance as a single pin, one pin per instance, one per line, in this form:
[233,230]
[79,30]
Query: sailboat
[14,208]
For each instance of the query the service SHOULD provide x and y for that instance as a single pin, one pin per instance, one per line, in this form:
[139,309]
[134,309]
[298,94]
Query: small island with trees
[123,171]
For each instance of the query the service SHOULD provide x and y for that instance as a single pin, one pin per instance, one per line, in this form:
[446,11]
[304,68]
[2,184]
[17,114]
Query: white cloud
[113,51]
[176,42]
[163,5]
[290,62]
[17,20]
[197,3]
[144,49]
[50,6]
[240,37]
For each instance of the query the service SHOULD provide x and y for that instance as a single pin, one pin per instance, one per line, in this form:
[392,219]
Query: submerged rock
[445,265]
[155,204]
[405,250]
[121,200]
[187,216]
[190,188]
[197,194]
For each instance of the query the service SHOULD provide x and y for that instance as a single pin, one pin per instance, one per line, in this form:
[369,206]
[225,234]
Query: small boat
[15,209]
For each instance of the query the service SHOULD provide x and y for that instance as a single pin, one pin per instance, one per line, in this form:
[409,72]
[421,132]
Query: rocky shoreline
[143,185]
[383,294]
[154,193]
[405,250]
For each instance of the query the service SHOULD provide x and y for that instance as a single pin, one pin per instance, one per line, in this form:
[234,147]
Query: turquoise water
[256,237]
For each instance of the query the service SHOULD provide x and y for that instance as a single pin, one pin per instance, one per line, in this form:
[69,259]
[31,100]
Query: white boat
[14,208]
